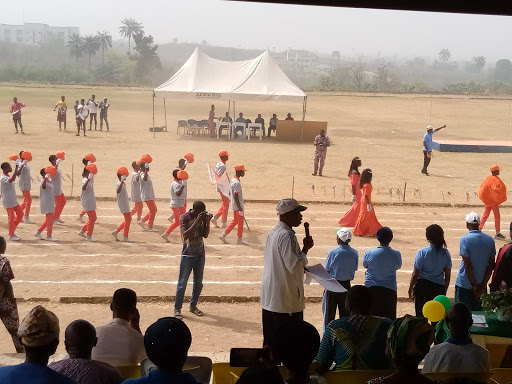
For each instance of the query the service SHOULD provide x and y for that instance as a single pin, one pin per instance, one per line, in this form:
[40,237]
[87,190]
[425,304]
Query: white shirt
[87,197]
[57,184]
[282,286]
[448,357]
[46,198]
[236,187]
[122,198]
[24,180]
[146,189]
[83,111]
[219,170]
[119,344]
[93,106]
[135,187]
[8,192]
[178,201]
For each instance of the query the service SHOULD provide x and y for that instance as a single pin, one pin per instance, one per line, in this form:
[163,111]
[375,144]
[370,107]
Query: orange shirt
[492,191]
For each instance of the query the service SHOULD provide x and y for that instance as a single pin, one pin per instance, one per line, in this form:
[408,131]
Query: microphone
[306,228]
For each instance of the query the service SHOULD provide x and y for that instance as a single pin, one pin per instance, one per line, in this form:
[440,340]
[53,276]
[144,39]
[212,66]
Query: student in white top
[124,205]
[93,109]
[237,204]
[60,199]
[88,159]
[82,111]
[135,192]
[9,200]
[178,199]
[88,201]
[224,208]
[147,195]
[47,202]
[458,353]
[25,184]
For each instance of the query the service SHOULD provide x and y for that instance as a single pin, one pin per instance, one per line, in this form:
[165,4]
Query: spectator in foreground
[80,339]
[120,342]
[272,124]
[409,340]
[357,342]
[39,333]
[503,268]
[458,353]
[167,342]
[261,373]
[477,250]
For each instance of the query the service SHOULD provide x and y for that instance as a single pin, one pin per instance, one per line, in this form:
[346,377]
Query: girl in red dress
[367,223]
[350,217]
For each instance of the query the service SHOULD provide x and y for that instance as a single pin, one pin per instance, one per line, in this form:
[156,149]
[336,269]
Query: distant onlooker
[81,116]
[321,143]
[227,118]
[211,122]
[503,269]
[39,333]
[16,114]
[239,119]
[289,117]
[357,342]
[62,107]
[260,120]
[120,342]
[92,104]
[272,124]
[80,339]
[458,353]
[104,106]
[167,342]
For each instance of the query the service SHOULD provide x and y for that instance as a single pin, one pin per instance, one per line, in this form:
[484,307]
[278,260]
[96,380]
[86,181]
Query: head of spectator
[82,101]
[289,211]
[80,338]
[354,166]
[260,373]
[343,236]
[124,304]
[296,344]
[384,236]
[167,342]
[3,245]
[241,115]
[435,236]
[495,170]
[289,116]
[259,115]
[39,333]
[430,129]
[274,115]
[359,300]
[63,98]
[366,177]
[213,107]
[472,221]
[459,321]
[322,132]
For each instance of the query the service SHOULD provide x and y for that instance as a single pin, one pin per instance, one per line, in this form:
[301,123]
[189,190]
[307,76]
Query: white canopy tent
[204,77]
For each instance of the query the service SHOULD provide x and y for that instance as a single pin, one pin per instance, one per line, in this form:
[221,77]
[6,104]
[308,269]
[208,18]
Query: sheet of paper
[317,272]
[479,321]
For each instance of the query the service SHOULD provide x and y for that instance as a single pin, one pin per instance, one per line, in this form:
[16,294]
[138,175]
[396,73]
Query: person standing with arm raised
[427,147]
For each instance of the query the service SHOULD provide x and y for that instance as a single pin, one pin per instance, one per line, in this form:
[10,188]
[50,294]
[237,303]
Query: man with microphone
[282,286]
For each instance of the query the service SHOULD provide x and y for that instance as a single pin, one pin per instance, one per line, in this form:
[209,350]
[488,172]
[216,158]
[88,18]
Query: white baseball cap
[473,218]
[344,234]
[429,127]
[288,205]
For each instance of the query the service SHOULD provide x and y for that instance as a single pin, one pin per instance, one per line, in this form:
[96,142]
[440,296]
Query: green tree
[129,29]
[91,47]
[76,47]
[503,71]
[146,57]
[105,40]
[444,55]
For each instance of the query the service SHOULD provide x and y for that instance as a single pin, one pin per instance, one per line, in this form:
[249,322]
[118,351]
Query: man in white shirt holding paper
[282,286]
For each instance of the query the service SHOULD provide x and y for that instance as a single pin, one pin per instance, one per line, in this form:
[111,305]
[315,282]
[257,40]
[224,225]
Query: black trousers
[426,161]
[335,301]
[426,290]
[273,320]
[383,302]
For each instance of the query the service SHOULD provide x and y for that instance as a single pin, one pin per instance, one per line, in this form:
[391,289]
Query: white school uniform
[219,170]
[236,187]
[8,192]
[122,198]
[178,201]
[146,189]
[24,179]
[135,187]
[57,183]
[46,197]
[87,197]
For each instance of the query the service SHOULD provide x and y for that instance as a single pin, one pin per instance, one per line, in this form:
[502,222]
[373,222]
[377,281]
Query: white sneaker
[27,220]
[90,238]
[49,238]
[80,218]
[127,240]
[60,221]
[224,224]
[142,224]
[81,233]
[14,238]
[214,222]
[165,236]
[114,233]
[171,218]
[222,237]
[240,241]
[38,235]
[152,229]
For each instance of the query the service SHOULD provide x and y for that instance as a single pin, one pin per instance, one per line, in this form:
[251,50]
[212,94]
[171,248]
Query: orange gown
[350,218]
[367,223]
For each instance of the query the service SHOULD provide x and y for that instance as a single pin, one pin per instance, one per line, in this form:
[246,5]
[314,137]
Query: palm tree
[129,28]
[444,55]
[105,40]
[91,46]
[76,47]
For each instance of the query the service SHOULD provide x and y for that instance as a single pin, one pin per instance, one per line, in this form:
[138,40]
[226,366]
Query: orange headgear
[14,157]
[123,171]
[182,175]
[92,168]
[51,170]
[224,153]
[146,158]
[90,157]
[189,157]
[26,155]
[61,155]
[240,168]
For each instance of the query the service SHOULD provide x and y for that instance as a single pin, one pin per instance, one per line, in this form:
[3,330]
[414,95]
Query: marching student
[178,198]
[224,208]
[147,194]
[9,200]
[47,202]
[88,159]
[237,204]
[135,192]
[25,184]
[88,201]
[182,164]
[60,199]
[124,205]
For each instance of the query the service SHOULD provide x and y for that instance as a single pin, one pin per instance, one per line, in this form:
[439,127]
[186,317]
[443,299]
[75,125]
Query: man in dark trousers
[427,147]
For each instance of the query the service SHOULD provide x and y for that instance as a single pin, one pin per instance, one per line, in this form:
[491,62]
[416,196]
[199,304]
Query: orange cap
[146,158]
[123,171]
[224,153]
[14,157]
[240,168]
[189,157]
[90,157]
[61,155]
[494,168]
[26,155]
[51,170]
[182,175]
[92,168]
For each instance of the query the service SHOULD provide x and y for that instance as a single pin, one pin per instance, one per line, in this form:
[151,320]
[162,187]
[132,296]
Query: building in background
[35,33]
[296,60]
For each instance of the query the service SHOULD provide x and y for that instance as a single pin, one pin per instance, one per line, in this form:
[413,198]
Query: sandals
[196,311]
[177,314]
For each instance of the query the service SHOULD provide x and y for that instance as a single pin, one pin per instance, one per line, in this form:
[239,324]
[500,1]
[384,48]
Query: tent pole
[165,114]
[234,111]
[154,114]
[303,118]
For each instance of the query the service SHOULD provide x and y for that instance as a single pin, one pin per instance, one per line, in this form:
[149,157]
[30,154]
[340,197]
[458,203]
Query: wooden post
[405,189]
[293,185]
[154,114]
[72,177]
[165,114]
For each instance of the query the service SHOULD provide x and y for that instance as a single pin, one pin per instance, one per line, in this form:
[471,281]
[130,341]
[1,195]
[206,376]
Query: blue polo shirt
[479,247]
[427,138]
[30,373]
[431,262]
[342,262]
[382,264]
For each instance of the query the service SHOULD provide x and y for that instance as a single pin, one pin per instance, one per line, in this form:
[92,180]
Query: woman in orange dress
[350,217]
[367,223]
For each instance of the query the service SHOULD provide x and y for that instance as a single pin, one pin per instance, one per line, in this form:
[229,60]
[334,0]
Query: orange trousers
[237,220]
[487,211]
[89,226]
[137,209]
[14,216]
[224,208]
[26,203]
[178,211]
[48,224]
[125,224]
[60,202]
[150,216]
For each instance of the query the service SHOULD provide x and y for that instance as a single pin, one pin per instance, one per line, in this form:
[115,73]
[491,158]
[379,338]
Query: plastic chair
[198,366]
[223,373]
[181,124]
[353,377]
[445,376]
[191,122]
[502,375]
[130,371]
[223,125]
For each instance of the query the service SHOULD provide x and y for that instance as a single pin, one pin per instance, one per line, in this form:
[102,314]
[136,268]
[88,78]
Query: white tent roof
[204,77]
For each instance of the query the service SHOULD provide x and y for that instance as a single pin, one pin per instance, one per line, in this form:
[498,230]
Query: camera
[208,215]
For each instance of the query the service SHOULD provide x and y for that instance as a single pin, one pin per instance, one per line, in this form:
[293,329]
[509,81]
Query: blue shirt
[158,377]
[30,373]
[342,262]
[382,264]
[427,138]
[479,247]
[431,262]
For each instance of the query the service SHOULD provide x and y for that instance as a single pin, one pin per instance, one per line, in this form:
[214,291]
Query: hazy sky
[260,26]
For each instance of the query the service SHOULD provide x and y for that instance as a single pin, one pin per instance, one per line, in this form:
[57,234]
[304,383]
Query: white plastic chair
[255,126]
[235,126]
[223,125]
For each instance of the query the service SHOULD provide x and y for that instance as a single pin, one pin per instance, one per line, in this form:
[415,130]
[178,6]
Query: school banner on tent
[221,181]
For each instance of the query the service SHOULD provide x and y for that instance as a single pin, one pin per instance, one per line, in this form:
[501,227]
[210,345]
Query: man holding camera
[195,226]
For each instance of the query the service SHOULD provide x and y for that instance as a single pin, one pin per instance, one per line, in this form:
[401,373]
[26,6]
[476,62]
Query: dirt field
[386,132]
